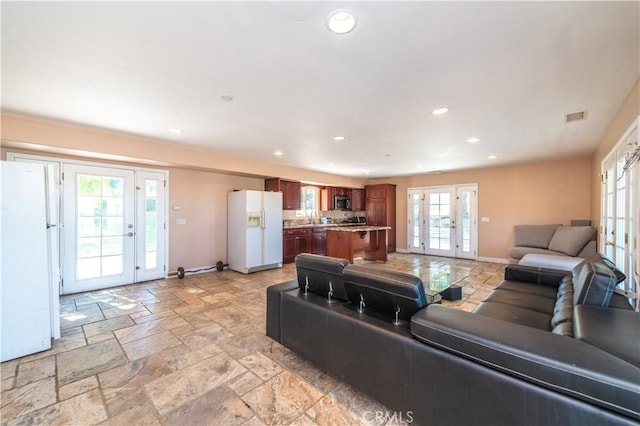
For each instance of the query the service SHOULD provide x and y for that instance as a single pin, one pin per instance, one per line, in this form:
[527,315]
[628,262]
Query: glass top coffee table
[441,284]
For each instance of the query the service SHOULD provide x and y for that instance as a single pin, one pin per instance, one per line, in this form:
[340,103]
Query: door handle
[128,234]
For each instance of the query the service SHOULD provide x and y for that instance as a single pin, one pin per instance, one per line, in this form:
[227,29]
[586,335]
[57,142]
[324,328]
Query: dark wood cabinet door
[319,242]
[294,242]
[381,210]
[376,213]
[291,192]
[288,249]
[291,195]
[302,245]
[357,200]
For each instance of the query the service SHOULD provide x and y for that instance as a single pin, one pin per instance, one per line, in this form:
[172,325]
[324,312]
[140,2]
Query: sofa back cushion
[321,274]
[534,235]
[386,292]
[594,285]
[571,239]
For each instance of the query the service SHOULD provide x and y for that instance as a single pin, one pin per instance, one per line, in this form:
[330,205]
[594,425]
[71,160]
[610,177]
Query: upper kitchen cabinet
[329,194]
[357,200]
[291,192]
[380,208]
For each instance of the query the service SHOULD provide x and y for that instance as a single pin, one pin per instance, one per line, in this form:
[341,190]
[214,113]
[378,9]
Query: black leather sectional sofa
[544,348]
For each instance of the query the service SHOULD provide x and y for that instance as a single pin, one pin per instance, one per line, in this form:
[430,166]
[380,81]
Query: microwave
[340,202]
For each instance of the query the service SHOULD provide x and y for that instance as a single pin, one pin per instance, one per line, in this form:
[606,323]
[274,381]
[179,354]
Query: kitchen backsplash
[335,216]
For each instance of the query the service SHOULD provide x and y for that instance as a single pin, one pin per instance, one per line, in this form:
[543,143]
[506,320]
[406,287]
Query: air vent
[575,116]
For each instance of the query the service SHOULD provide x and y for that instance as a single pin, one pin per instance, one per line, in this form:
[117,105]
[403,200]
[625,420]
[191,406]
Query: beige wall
[202,198]
[629,111]
[532,193]
[198,183]
[37,134]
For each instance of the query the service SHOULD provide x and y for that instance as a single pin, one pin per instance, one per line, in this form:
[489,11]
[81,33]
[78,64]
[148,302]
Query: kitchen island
[346,242]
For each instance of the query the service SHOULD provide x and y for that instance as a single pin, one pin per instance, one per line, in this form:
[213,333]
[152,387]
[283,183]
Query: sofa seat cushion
[559,262]
[534,235]
[514,315]
[529,288]
[519,252]
[549,360]
[571,239]
[523,300]
[616,331]
[321,274]
[388,292]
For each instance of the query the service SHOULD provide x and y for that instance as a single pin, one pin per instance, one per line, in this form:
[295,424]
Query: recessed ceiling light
[278,153]
[419,166]
[440,111]
[227,98]
[492,157]
[176,131]
[341,21]
[473,140]
[338,138]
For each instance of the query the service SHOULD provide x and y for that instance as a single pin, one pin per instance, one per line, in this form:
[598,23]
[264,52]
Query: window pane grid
[100,226]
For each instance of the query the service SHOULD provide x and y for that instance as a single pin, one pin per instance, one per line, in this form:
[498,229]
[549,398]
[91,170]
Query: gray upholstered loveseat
[576,241]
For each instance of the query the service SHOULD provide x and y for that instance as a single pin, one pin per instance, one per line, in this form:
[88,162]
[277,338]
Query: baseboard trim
[493,260]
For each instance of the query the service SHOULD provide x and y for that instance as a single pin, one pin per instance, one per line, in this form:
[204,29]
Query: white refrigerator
[254,232]
[29,292]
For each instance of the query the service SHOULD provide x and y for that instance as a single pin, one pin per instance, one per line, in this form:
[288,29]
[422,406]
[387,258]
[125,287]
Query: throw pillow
[571,239]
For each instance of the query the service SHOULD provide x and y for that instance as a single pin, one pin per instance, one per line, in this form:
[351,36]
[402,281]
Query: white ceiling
[508,72]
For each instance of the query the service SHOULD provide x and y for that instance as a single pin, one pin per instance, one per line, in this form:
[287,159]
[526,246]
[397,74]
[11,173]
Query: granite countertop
[321,225]
[359,228]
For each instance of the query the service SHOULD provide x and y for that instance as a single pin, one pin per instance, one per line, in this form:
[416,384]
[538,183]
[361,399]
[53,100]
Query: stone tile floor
[194,352]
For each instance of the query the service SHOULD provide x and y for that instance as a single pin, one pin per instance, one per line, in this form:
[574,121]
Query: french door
[442,221]
[114,227]
[99,218]
[619,224]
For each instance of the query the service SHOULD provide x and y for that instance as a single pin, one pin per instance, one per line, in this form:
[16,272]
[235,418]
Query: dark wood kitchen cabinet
[380,210]
[357,200]
[291,192]
[330,193]
[319,240]
[294,242]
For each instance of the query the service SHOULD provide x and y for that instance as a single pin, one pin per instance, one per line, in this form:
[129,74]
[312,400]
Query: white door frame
[620,198]
[460,226]
[58,162]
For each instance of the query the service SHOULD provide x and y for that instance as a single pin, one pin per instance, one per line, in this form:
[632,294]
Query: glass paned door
[416,221]
[150,241]
[98,227]
[466,222]
[618,222]
[442,221]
